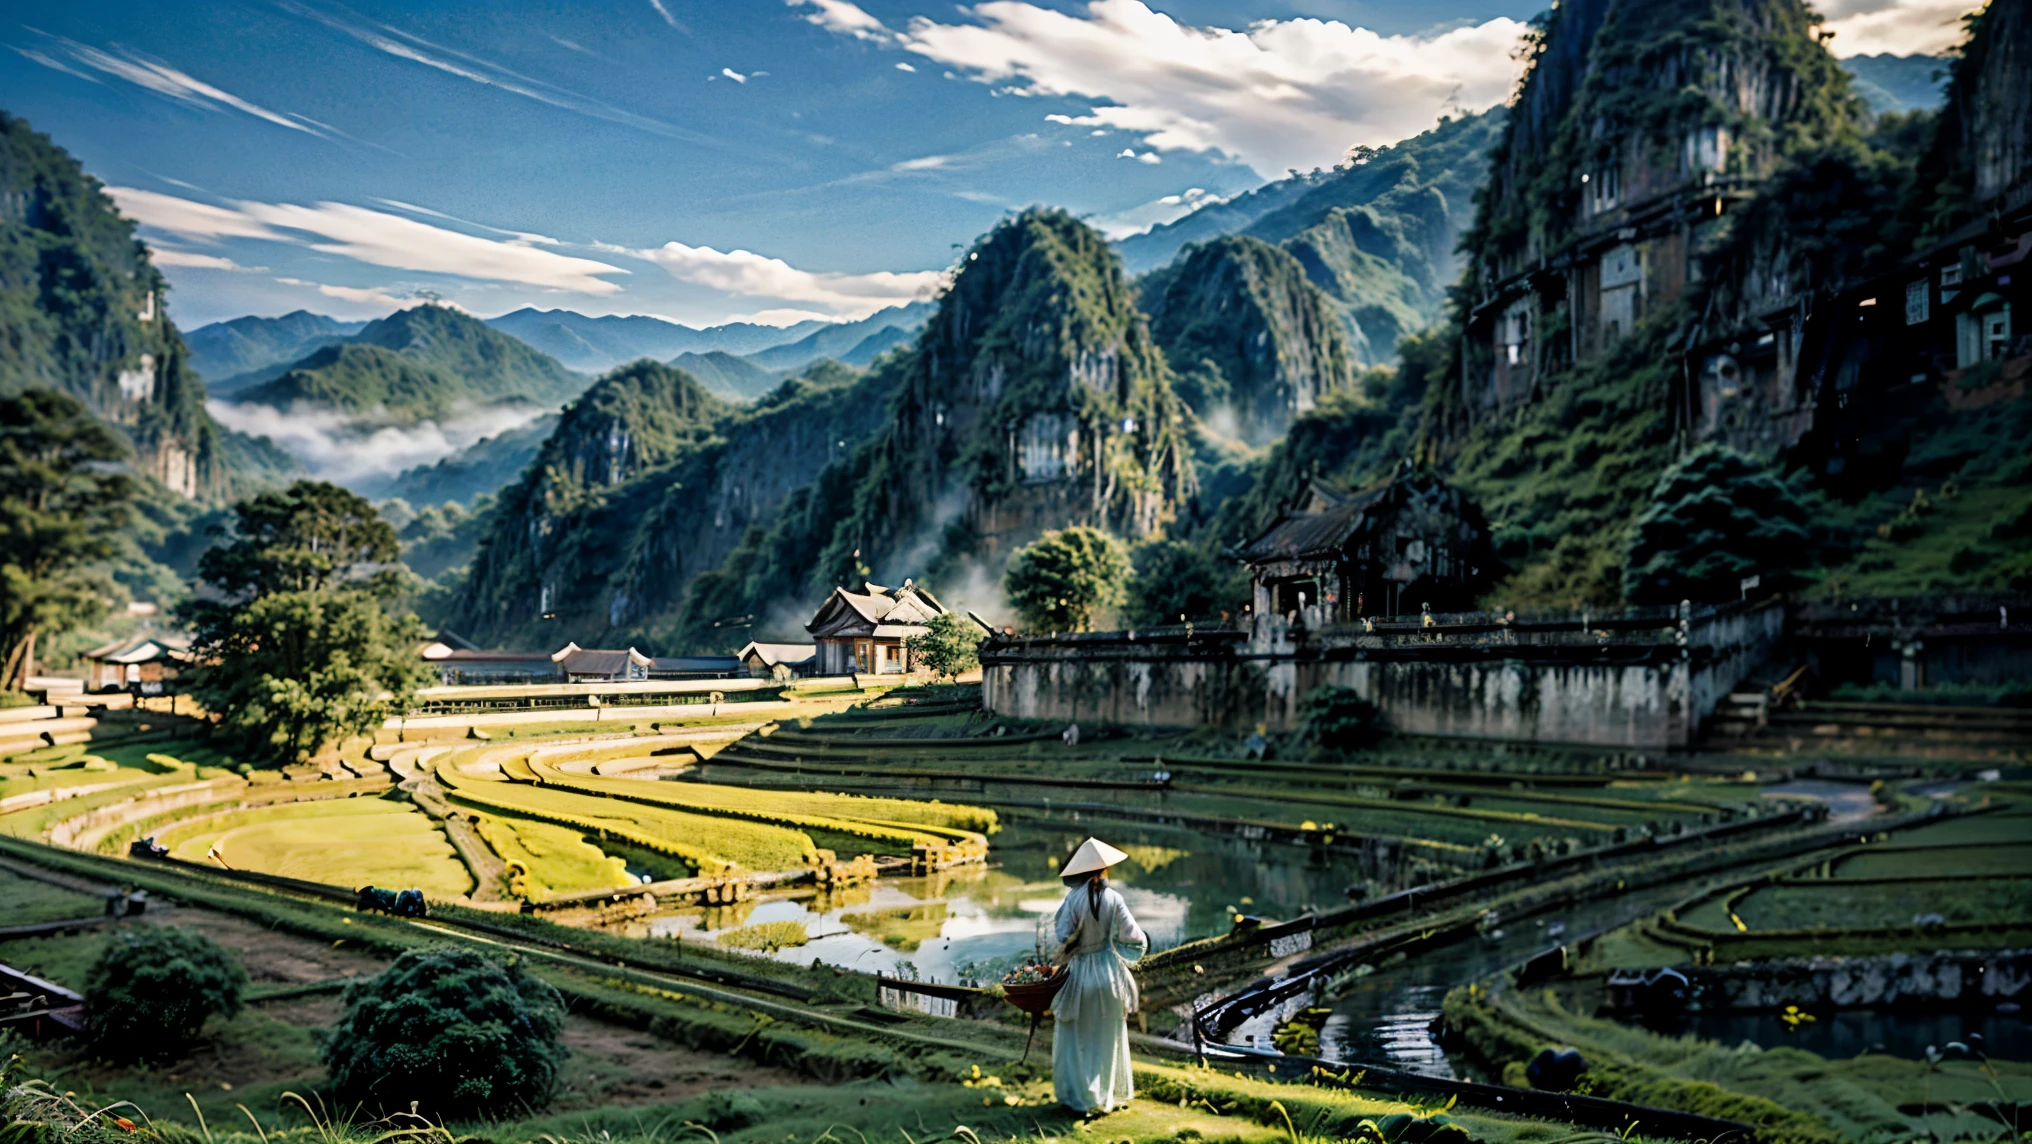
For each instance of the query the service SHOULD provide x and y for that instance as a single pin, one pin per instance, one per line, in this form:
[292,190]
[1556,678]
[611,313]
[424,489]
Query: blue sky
[713,160]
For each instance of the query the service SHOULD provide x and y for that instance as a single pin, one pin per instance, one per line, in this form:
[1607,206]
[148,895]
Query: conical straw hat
[1093,855]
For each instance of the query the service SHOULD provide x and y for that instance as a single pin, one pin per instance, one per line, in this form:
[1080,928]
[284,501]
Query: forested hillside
[246,351]
[86,312]
[425,362]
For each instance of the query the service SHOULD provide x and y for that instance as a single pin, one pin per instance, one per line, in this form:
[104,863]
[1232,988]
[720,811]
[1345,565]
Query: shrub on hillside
[460,1033]
[949,646]
[1716,518]
[1338,719]
[152,990]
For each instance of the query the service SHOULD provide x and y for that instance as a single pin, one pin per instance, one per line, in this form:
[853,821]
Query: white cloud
[191,260]
[374,237]
[903,67]
[731,74]
[845,18]
[745,273]
[1282,94]
[186,218]
[1169,208]
[923,163]
[163,80]
[667,17]
[57,65]
[340,448]
[416,49]
[1897,27]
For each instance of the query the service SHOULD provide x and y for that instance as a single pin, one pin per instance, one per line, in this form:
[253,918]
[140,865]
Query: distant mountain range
[595,345]
[1899,83]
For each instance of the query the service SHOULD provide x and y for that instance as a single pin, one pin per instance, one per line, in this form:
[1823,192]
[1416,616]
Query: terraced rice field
[345,842]
[552,859]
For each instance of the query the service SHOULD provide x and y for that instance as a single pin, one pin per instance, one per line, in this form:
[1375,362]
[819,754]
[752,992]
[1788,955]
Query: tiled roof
[1304,535]
[772,654]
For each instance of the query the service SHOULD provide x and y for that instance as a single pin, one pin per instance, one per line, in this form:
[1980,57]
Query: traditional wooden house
[863,632]
[144,665]
[779,660]
[1411,542]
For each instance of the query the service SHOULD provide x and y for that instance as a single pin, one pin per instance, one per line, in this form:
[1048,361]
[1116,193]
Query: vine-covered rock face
[1034,399]
[459,1033]
[83,310]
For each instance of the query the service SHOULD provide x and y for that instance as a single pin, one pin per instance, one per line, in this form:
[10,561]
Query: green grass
[555,859]
[341,842]
[26,901]
[1838,903]
[1895,863]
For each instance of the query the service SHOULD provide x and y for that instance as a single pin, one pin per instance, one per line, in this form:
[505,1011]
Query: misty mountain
[423,363]
[1376,234]
[847,341]
[735,378]
[246,351]
[481,468]
[594,345]
[1898,83]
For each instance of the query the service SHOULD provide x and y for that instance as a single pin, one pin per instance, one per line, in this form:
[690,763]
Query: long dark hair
[1095,882]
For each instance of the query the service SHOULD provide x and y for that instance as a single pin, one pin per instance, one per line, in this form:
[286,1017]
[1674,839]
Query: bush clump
[153,989]
[459,1033]
[1338,719]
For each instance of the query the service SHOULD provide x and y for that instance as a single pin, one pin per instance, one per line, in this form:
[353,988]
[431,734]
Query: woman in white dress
[1090,1030]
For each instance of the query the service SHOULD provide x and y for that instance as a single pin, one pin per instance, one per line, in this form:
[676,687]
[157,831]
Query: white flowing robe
[1090,1030]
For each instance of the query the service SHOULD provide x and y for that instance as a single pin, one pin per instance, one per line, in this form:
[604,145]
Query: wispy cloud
[845,18]
[192,260]
[57,65]
[667,17]
[161,79]
[745,273]
[731,74]
[372,296]
[402,45]
[377,238]
[340,448]
[1279,94]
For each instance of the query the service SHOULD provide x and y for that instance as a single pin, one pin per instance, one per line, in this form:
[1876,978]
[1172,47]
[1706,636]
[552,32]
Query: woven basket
[1035,997]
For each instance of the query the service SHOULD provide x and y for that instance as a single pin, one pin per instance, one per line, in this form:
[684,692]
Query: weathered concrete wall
[1640,680]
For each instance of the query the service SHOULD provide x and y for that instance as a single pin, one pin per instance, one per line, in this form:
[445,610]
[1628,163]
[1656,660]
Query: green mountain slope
[1251,341]
[735,378]
[1377,234]
[247,351]
[417,364]
[648,482]
[83,310]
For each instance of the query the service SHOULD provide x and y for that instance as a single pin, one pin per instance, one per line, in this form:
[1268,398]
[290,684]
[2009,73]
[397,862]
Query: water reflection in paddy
[973,923]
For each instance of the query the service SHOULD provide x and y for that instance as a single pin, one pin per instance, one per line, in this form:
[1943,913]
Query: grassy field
[555,859]
[1848,903]
[27,901]
[343,842]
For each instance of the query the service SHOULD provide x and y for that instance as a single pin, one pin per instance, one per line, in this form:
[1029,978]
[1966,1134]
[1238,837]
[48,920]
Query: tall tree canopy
[1066,578]
[1716,518]
[64,493]
[306,647]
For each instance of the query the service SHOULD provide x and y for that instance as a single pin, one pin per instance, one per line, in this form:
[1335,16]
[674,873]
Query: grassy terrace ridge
[942,1071]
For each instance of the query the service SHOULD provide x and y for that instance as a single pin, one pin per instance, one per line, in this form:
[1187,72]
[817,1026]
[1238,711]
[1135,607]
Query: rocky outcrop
[83,312]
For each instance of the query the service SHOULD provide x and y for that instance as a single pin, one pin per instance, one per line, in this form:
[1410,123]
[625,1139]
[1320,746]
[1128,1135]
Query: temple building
[863,632]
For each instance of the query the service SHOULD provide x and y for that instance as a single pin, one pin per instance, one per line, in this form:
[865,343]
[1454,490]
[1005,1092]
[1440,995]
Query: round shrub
[154,987]
[1338,719]
[460,1033]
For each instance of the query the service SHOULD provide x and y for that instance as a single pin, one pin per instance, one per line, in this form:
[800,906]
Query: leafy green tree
[1060,582]
[1176,578]
[1716,518]
[459,1032]
[307,537]
[64,496]
[949,646]
[154,987]
[306,648]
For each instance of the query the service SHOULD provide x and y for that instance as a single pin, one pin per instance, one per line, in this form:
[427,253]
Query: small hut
[863,632]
